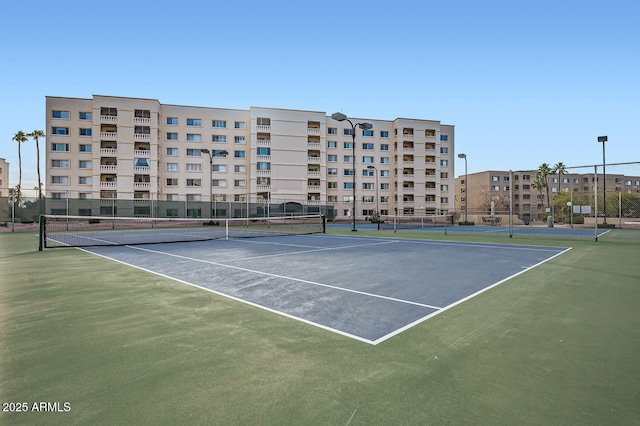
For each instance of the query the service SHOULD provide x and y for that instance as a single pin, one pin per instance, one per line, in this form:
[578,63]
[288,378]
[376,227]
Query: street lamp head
[204,151]
[365,126]
[223,153]
[338,116]
[462,155]
[371,167]
[602,139]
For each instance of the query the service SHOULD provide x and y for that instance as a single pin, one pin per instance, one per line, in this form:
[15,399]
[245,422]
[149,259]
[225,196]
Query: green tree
[540,183]
[37,134]
[545,170]
[19,137]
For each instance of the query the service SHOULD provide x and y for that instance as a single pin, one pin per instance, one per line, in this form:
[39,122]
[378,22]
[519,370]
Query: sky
[523,83]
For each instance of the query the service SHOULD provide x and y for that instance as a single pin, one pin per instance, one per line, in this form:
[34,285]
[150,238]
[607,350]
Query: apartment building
[484,189]
[4,178]
[115,148]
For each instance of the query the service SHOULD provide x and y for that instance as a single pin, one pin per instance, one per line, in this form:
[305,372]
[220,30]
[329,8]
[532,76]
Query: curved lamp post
[603,139]
[338,116]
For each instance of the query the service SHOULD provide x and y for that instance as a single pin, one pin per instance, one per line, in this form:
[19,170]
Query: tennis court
[368,289]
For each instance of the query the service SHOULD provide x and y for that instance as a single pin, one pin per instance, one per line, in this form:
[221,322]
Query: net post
[226,231]
[324,224]
[41,235]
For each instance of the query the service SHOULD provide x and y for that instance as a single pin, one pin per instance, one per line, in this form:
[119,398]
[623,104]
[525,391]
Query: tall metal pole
[353,146]
[603,139]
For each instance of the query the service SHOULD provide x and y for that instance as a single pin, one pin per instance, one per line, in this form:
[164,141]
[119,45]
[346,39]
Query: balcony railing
[146,153]
[263,141]
[108,152]
[109,136]
[313,130]
[108,169]
[108,184]
[141,136]
[141,169]
[108,118]
[263,128]
[141,120]
[313,160]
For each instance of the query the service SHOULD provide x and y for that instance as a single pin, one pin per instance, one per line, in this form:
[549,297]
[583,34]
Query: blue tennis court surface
[369,289]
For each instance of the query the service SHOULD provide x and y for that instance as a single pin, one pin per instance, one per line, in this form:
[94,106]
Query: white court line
[364,293]
[471,296]
[312,250]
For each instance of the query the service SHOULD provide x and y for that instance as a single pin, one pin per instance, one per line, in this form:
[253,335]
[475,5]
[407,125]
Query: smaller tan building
[4,178]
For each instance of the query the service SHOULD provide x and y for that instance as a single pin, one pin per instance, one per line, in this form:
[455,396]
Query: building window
[495,178]
[172,167]
[172,136]
[85,132]
[384,147]
[239,168]
[444,163]
[348,185]
[60,164]
[85,116]
[263,121]
[347,172]
[332,185]
[384,186]
[263,166]
[60,130]
[219,124]
[85,147]
[347,132]
[264,150]
[444,138]
[367,133]
[85,164]
[368,185]
[239,125]
[219,168]
[60,147]
[332,158]
[194,167]
[219,139]
[332,172]
[194,153]
[239,183]
[85,180]
[219,183]
[332,130]
[384,160]
[348,159]
[239,139]
[444,200]
[384,173]
[348,145]
[444,150]
[172,121]
[62,180]
[60,114]
[445,175]
[444,187]
[172,181]
[332,144]
[384,133]
[367,146]
[194,182]
[239,154]
[172,152]
[194,137]
[368,173]
[495,187]
[367,159]
[195,122]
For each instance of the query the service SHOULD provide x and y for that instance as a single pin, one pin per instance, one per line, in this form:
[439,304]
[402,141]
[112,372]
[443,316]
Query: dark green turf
[557,345]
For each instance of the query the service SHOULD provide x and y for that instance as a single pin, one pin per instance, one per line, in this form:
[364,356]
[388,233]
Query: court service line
[363,293]
[315,249]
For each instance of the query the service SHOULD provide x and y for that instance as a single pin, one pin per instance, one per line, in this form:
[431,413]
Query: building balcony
[108,185]
[108,152]
[263,128]
[313,145]
[263,157]
[141,185]
[313,173]
[141,136]
[263,141]
[141,120]
[263,172]
[109,136]
[141,169]
[430,138]
[108,118]
[313,160]
[108,168]
[263,187]
[313,130]
[145,153]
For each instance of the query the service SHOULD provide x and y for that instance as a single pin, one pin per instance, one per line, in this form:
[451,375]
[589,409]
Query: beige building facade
[116,148]
[4,178]
[482,190]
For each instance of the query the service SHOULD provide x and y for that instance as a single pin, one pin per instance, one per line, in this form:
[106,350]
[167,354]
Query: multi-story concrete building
[115,148]
[4,178]
[483,189]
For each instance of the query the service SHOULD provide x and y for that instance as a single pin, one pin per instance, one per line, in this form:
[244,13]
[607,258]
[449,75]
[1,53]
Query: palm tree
[545,171]
[20,137]
[539,183]
[560,169]
[36,134]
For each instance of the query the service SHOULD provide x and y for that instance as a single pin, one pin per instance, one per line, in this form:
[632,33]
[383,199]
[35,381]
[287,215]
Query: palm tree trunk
[38,168]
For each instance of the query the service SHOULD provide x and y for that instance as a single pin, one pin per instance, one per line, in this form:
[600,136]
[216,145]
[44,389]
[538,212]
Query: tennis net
[416,222]
[86,231]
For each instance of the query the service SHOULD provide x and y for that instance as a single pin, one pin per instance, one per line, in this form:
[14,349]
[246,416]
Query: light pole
[466,192]
[338,116]
[603,139]
[210,153]
[377,198]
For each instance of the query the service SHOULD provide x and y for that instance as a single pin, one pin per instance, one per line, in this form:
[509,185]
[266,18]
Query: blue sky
[522,83]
